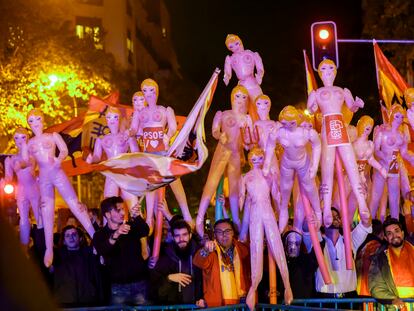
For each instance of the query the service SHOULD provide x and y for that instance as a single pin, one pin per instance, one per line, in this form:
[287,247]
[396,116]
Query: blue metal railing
[323,304]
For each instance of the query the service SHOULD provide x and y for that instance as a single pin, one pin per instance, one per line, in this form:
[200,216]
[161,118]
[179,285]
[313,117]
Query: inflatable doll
[227,128]
[139,103]
[329,99]
[257,190]
[113,144]
[244,62]
[27,190]
[157,125]
[364,154]
[295,160]
[390,142]
[51,175]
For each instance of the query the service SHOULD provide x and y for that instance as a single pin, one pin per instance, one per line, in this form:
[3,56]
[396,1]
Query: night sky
[279,31]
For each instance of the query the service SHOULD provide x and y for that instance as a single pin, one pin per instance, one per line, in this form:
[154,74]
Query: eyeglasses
[223,233]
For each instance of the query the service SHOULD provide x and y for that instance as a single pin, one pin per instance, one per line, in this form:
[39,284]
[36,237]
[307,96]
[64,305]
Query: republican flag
[141,172]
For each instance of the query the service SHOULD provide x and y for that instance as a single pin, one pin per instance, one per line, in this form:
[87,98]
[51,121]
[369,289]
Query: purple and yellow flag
[141,172]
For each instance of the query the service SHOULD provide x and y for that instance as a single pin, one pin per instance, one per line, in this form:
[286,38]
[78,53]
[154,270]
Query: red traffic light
[324,43]
[8,188]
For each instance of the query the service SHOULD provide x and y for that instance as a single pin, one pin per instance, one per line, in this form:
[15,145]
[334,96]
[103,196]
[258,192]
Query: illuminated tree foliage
[42,64]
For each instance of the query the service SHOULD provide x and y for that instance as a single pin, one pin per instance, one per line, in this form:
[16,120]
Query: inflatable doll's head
[327,71]
[20,135]
[35,119]
[256,157]
[233,43]
[138,101]
[239,99]
[365,125]
[263,103]
[306,120]
[397,114]
[289,117]
[150,89]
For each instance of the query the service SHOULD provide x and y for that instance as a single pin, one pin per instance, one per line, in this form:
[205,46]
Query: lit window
[89,28]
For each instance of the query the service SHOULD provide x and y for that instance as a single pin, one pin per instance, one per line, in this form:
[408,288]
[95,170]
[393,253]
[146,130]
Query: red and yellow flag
[391,85]
[141,172]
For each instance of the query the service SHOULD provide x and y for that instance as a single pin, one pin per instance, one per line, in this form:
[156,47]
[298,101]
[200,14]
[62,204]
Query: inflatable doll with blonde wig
[330,99]
[228,156]
[27,190]
[257,189]
[295,161]
[114,143]
[157,125]
[244,62]
[42,147]
[390,142]
[364,154]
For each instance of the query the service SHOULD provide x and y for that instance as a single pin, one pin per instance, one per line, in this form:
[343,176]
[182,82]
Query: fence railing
[323,304]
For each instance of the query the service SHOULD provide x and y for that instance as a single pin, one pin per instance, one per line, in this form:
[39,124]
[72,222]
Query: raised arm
[352,104]
[227,70]
[312,103]
[259,68]
[97,152]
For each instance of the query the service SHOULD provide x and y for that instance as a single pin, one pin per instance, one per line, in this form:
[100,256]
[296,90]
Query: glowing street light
[8,188]
[53,79]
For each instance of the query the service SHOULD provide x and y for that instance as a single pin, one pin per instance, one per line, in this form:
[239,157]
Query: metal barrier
[323,304]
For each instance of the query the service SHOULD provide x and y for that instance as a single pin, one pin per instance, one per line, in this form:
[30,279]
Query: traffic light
[324,43]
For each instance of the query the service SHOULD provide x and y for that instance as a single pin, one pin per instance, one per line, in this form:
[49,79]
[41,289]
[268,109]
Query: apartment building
[136,32]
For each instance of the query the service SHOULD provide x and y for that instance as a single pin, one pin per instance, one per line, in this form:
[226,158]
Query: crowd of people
[214,270]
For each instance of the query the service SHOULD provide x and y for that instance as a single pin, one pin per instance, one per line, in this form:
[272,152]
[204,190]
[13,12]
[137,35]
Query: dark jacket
[77,280]
[380,281]
[123,259]
[173,261]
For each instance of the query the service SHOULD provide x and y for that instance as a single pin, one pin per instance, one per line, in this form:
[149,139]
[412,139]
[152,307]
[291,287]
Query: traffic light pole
[372,41]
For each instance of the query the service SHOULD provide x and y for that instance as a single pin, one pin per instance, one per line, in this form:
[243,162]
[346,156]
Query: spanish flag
[141,172]
[391,85]
[81,132]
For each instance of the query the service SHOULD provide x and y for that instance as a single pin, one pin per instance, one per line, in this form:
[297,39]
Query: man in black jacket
[174,279]
[119,244]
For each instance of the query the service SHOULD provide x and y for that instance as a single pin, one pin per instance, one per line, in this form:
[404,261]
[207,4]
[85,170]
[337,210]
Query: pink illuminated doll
[42,147]
[139,103]
[257,190]
[295,160]
[364,153]
[227,127]
[390,142]
[330,99]
[27,192]
[244,62]
[263,127]
[157,125]
[114,144]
